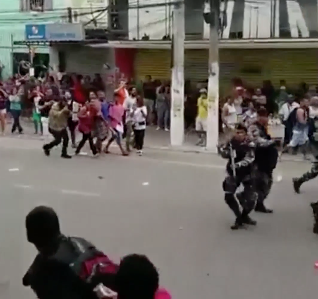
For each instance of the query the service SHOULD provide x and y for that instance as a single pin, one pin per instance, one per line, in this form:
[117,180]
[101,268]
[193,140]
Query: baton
[232,160]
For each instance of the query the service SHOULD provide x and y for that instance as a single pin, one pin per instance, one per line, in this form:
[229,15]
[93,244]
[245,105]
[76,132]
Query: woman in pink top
[137,278]
[100,127]
[85,126]
[115,113]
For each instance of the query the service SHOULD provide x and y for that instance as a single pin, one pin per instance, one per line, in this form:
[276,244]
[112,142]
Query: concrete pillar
[177,80]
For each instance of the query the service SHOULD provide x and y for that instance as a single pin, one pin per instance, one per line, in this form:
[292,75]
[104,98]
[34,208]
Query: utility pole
[213,82]
[177,78]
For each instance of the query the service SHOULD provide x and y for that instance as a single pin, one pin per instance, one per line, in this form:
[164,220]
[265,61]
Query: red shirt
[79,93]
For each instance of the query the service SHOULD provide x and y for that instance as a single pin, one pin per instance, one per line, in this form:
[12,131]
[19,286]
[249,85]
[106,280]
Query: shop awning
[50,43]
[305,43]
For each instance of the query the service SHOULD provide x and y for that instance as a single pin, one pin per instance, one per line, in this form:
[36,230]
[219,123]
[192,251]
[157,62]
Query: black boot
[315,229]
[260,208]
[248,220]
[237,224]
[46,150]
[297,184]
[65,155]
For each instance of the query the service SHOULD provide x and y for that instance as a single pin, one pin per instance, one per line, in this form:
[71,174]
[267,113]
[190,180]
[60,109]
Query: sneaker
[167,130]
[140,153]
[66,156]
[158,128]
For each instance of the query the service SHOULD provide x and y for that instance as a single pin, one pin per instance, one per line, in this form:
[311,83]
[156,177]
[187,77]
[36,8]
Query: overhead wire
[50,14]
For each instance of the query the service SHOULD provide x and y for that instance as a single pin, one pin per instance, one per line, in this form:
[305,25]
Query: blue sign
[54,32]
[35,32]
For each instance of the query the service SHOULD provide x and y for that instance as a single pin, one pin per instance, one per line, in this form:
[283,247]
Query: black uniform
[313,172]
[240,171]
[313,140]
[266,156]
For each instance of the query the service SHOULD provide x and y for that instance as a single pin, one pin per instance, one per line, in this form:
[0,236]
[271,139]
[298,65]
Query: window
[36,5]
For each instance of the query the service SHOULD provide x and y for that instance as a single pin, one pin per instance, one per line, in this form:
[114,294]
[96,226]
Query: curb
[172,149]
[204,151]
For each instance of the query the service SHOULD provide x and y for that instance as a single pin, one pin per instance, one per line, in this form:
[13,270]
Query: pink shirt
[116,113]
[162,294]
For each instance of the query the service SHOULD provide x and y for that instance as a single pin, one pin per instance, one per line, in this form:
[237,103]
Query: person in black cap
[239,152]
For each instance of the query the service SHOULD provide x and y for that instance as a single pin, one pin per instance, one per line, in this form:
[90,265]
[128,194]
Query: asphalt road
[168,206]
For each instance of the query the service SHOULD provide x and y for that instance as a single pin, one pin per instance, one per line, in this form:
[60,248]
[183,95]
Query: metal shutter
[294,66]
[156,63]
[196,65]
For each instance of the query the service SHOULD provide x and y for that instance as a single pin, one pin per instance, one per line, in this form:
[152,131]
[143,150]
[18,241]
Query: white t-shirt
[286,109]
[139,118]
[231,118]
[128,105]
[74,110]
[238,105]
[313,112]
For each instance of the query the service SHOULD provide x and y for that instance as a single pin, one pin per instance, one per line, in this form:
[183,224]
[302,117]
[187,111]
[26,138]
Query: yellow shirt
[202,108]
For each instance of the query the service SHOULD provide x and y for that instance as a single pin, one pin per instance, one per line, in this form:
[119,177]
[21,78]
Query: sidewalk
[155,140]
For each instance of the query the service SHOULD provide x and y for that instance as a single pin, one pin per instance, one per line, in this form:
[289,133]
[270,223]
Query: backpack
[87,262]
[292,118]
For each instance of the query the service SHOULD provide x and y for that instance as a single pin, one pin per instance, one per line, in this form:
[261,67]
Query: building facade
[16,14]
[239,19]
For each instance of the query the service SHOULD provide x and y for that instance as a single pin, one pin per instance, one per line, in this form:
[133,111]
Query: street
[169,206]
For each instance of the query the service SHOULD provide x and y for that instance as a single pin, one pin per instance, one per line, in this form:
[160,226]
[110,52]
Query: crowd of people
[63,107]
[100,117]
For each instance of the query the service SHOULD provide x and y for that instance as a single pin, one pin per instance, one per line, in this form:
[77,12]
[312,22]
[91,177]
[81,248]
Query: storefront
[68,48]
[253,66]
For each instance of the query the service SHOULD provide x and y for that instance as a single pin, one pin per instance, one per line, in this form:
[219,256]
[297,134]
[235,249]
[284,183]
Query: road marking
[23,186]
[14,169]
[83,154]
[80,193]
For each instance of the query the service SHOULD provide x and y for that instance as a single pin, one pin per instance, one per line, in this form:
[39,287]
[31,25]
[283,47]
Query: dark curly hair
[137,277]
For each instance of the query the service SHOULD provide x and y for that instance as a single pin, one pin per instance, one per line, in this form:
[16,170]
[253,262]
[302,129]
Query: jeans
[16,121]
[163,117]
[89,137]
[59,136]
[139,139]
[129,130]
